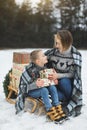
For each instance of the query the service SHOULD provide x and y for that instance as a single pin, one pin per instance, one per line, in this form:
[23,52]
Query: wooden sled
[37,103]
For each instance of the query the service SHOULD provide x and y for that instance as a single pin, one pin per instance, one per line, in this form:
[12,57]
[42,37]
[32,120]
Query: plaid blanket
[75,103]
[27,82]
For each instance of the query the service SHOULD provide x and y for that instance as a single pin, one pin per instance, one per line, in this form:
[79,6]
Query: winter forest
[27,26]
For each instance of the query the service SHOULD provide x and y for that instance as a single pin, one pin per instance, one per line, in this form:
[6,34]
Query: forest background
[27,26]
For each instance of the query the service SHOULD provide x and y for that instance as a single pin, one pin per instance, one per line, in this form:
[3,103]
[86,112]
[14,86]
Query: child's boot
[53,114]
[60,111]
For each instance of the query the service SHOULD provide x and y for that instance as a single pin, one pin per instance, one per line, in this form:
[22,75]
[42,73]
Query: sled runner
[11,89]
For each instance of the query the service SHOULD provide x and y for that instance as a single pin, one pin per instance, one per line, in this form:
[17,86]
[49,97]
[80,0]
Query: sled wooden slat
[37,105]
[9,99]
[11,89]
[34,104]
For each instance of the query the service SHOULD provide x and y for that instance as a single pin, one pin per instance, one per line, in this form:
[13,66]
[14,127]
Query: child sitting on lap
[33,85]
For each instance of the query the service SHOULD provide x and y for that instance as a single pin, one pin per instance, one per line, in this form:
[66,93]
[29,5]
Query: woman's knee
[66,85]
[65,81]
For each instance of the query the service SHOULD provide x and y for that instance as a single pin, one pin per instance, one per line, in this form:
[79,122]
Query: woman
[66,60]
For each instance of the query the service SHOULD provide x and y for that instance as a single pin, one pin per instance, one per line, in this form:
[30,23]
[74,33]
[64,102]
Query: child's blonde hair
[66,38]
[34,55]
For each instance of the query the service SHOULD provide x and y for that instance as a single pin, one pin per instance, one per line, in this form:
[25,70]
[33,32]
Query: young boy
[32,85]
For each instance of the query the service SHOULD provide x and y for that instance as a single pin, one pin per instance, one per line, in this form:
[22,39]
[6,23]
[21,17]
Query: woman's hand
[56,81]
[53,76]
[39,83]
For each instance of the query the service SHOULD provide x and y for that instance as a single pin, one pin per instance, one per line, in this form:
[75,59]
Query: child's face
[42,59]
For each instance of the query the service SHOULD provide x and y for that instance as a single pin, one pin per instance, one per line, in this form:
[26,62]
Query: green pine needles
[6,82]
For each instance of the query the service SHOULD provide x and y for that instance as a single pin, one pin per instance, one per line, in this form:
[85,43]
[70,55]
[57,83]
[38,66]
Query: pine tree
[70,13]
[8,10]
[85,14]
[44,22]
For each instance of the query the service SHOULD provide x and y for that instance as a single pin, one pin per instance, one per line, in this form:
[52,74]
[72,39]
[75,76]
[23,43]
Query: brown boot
[60,111]
[53,114]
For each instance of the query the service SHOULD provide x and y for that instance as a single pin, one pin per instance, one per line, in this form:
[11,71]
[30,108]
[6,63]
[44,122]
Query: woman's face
[59,45]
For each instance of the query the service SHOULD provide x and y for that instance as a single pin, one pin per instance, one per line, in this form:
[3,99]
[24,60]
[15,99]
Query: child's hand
[39,83]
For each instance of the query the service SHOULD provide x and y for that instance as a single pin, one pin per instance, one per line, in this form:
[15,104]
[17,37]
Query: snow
[27,121]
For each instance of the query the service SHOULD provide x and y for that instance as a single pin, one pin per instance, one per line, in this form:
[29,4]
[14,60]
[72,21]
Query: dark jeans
[64,89]
[44,94]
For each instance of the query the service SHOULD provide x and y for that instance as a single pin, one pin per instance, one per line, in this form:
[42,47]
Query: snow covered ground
[27,121]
